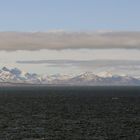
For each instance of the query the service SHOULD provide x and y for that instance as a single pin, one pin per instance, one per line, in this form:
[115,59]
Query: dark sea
[69,113]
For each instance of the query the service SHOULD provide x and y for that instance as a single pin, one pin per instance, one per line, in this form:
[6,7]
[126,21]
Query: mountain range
[17,76]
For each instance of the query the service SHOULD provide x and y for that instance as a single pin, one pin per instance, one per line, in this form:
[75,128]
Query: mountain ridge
[17,76]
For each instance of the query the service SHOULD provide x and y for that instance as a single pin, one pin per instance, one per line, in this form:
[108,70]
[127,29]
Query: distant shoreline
[10,84]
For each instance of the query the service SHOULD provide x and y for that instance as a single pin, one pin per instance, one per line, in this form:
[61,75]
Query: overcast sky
[74,61]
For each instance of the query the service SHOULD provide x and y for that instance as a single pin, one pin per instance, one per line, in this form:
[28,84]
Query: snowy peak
[15,75]
[86,76]
[105,74]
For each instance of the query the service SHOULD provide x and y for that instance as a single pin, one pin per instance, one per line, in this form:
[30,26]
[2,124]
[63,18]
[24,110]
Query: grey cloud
[60,61]
[84,63]
[11,41]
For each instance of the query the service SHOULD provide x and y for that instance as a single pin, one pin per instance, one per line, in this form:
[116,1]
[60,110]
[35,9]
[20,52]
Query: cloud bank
[11,41]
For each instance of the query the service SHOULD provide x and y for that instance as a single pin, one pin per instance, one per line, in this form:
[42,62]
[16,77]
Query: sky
[71,36]
[70,15]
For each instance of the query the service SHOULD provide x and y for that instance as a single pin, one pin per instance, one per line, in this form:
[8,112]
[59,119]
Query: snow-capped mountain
[84,79]
[17,76]
[88,78]
[92,79]
[105,74]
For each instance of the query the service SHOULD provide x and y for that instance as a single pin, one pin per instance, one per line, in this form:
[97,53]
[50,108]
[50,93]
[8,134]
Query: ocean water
[69,113]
